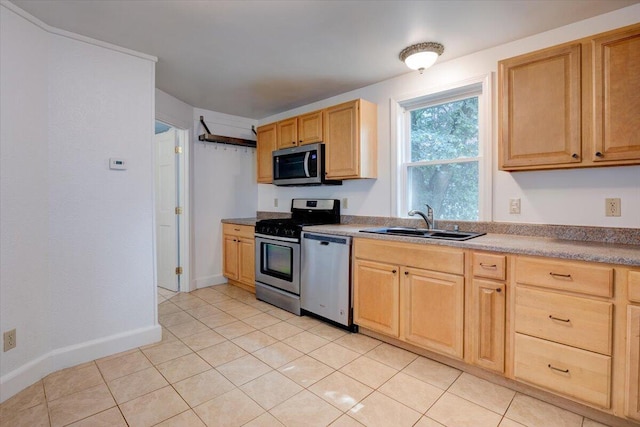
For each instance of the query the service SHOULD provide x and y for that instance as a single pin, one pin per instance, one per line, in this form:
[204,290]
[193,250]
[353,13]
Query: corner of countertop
[240,221]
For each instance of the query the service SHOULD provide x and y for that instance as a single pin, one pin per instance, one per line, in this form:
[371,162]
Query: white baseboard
[216,279]
[27,374]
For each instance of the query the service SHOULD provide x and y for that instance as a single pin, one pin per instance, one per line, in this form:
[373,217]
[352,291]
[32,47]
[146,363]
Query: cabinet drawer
[489,266]
[427,257]
[575,321]
[634,286]
[576,373]
[567,276]
[239,230]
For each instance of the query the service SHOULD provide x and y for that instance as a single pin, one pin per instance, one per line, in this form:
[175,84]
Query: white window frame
[400,123]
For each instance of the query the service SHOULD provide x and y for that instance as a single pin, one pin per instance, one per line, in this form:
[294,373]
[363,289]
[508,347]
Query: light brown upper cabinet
[265,145]
[616,115]
[310,128]
[287,133]
[351,138]
[349,131]
[300,130]
[572,105]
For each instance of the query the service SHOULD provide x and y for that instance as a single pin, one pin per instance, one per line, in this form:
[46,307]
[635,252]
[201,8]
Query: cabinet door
[432,309]
[310,128]
[540,108]
[487,324]
[342,141]
[246,263]
[288,133]
[230,257]
[633,363]
[376,297]
[265,145]
[616,72]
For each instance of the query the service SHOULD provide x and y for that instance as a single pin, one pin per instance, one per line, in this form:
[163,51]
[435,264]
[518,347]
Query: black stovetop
[304,212]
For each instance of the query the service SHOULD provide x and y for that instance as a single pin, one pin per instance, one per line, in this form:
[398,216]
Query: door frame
[184,228]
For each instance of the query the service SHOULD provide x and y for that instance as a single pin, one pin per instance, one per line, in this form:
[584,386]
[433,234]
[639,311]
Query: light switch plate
[514,206]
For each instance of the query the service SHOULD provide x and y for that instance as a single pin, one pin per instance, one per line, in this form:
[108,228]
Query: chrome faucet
[428,218]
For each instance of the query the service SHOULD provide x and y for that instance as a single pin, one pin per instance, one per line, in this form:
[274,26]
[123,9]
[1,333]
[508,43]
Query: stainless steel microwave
[302,165]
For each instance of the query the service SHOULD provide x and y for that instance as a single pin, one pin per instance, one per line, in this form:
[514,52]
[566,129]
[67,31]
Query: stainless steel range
[278,250]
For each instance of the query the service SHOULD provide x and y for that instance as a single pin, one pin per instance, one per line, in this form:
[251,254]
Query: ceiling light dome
[422,55]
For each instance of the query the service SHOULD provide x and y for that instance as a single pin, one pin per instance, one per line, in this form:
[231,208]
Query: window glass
[442,155]
[445,131]
[451,189]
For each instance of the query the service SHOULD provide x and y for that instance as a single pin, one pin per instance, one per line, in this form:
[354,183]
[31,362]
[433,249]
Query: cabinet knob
[575,155]
[499,290]
[406,273]
[599,154]
[394,271]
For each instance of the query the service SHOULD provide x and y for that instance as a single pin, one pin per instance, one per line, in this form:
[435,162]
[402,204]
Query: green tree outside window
[443,168]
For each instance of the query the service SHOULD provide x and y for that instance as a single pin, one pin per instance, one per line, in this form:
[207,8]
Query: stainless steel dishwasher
[325,279]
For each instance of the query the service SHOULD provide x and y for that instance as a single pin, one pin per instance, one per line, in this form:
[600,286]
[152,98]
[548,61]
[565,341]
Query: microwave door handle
[306,164]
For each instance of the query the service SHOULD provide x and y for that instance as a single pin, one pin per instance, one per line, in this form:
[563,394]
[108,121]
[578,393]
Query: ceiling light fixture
[422,55]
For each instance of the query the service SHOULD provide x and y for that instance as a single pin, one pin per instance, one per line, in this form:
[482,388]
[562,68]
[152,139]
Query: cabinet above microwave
[349,132]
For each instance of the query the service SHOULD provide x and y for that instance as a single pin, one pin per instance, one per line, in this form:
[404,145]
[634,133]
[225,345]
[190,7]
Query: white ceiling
[258,58]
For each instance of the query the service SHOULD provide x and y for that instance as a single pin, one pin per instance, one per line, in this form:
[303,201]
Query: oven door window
[277,261]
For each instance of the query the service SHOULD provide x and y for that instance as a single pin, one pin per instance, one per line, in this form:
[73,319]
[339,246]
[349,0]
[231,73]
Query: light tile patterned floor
[227,359]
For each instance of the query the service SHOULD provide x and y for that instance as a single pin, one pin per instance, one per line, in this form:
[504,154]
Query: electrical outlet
[612,207]
[514,206]
[275,203]
[9,340]
[345,203]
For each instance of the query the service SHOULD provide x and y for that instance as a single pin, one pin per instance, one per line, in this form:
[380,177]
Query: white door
[168,256]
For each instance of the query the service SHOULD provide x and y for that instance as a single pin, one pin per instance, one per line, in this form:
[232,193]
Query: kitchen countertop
[240,221]
[508,243]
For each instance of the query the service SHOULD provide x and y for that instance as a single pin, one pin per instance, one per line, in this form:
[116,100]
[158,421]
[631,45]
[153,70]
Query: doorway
[170,208]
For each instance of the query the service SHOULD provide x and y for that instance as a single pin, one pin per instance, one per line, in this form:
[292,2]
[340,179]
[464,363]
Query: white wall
[78,271]
[223,186]
[24,205]
[552,197]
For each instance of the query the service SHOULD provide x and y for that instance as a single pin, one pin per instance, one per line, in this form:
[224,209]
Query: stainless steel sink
[424,233]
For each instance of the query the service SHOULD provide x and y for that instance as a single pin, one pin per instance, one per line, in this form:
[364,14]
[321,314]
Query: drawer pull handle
[559,319]
[566,371]
[566,276]
[483,265]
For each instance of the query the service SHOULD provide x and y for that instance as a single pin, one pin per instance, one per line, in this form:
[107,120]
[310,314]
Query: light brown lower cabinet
[376,301]
[432,307]
[576,373]
[238,255]
[632,402]
[487,324]
[420,306]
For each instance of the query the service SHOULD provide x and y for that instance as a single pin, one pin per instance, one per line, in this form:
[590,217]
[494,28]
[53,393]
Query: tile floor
[227,359]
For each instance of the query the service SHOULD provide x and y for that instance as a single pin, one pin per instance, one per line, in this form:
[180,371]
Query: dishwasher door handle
[324,243]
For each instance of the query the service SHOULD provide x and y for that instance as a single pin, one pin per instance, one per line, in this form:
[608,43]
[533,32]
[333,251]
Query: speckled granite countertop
[240,221]
[527,245]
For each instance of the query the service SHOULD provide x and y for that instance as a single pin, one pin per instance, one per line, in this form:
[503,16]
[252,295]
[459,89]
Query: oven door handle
[277,238]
